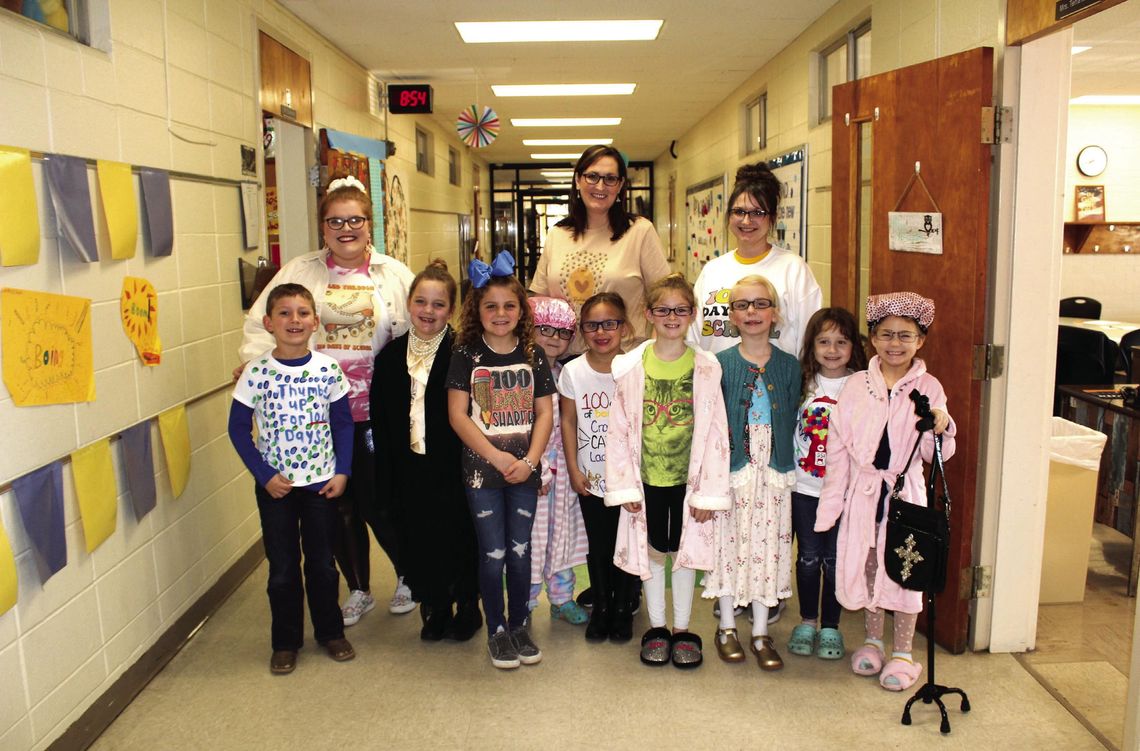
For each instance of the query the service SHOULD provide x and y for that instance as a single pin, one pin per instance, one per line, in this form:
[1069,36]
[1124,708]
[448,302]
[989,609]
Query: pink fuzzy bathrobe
[852,485]
[708,485]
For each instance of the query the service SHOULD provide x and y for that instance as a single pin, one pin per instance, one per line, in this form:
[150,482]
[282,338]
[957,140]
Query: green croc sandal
[830,645]
[803,640]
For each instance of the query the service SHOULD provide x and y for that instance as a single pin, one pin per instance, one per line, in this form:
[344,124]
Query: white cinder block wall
[176,74]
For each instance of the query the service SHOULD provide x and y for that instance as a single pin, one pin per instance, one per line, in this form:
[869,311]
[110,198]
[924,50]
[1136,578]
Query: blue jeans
[503,518]
[816,556]
[301,521]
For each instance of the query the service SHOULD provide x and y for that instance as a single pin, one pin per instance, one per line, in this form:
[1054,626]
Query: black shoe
[621,615]
[437,621]
[585,598]
[598,629]
[466,623]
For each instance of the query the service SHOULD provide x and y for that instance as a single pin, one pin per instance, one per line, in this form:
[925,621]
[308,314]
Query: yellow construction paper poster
[96,491]
[139,308]
[19,219]
[176,446]
[45,341]
[7,573]
[117,190]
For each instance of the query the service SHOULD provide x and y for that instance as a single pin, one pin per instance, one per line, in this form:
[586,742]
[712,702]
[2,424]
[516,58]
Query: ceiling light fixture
[565,89]
[484,32]
[563,122]
[557,173]
[555,156]
[567,141]
[1106,99]
[1078,49]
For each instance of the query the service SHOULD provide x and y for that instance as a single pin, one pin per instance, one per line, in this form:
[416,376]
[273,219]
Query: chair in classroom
[1080,307]
[1084,358]
[1129,343]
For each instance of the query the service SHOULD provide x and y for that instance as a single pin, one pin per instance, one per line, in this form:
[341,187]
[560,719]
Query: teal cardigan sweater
[781,376]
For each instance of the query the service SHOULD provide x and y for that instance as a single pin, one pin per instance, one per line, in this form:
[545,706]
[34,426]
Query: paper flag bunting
[176,447]
[19,219]
[39,496]
[477,130]
[139,463]
[117,193]
[8,581]
[96,491]
[71,197]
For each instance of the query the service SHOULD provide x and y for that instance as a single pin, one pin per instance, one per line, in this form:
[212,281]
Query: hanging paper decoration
[47,353]
[477,130]
[139,308]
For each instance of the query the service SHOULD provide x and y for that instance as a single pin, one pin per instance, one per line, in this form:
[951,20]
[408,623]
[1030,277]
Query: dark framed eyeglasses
[564,334]
[593,177]
[756,214]
[760,303]
[660,311]
[610,324]
[338,222]
[906,337]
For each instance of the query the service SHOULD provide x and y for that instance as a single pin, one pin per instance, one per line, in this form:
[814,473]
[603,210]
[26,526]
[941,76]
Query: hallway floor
[403,693]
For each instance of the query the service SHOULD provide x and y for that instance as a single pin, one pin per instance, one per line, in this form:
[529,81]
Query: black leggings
[601,523]
[663,509]
[360,504]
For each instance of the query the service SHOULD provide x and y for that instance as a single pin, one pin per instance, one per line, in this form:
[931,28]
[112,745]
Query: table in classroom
[1114,330]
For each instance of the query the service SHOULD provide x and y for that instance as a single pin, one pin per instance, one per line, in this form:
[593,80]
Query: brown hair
[822,320]
[613,299]
[757,181]
[471,329]
[436,271]
[620,219]
[675,282]
[346,193]
[289,289]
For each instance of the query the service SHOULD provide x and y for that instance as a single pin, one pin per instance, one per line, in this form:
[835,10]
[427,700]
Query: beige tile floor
[402,693]
[1084,649]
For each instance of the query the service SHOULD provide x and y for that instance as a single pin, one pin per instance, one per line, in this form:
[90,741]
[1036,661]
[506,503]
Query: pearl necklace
[424,348]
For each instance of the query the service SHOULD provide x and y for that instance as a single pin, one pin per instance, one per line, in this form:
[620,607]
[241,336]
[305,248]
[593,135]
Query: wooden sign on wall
[1026,20]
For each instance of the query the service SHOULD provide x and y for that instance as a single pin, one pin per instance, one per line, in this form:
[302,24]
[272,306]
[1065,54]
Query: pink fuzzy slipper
[899,674]
[867,660]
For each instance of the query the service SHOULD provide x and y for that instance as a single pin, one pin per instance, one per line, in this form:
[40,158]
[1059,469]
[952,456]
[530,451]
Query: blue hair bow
[480,273]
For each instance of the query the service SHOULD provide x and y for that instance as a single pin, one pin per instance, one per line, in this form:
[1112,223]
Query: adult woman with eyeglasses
[753,202]
[601,247]
[361,297]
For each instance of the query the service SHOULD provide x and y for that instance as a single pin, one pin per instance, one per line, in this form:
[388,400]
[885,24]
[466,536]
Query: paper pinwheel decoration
[477,130]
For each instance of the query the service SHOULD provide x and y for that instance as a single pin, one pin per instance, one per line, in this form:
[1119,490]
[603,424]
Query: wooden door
[928,113]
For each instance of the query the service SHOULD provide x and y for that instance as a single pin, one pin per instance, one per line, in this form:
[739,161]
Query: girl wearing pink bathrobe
[871,433]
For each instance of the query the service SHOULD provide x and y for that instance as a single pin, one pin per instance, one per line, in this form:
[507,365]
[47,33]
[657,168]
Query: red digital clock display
[409,99]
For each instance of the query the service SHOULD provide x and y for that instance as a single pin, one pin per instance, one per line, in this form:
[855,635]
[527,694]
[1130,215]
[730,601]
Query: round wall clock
[1091,161]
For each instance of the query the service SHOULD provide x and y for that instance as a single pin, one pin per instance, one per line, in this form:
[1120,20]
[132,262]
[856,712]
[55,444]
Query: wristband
[530,464]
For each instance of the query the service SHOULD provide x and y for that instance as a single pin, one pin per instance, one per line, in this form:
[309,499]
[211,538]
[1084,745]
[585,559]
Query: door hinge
[979,579]
[997,124]
[989,362]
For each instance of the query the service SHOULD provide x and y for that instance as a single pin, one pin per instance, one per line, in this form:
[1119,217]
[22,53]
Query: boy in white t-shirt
[299,402]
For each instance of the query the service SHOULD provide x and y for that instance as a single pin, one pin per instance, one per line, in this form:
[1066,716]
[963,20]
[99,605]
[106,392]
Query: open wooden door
[929,113]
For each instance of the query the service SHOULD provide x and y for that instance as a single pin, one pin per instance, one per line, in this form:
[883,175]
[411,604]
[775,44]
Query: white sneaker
[401,601]
[357,605]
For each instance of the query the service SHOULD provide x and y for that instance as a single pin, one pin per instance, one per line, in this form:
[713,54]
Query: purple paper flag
[39,495]
[71,199]
[139,462]
[159,221]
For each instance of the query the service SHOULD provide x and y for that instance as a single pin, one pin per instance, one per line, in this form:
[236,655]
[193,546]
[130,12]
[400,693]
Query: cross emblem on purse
[909,555]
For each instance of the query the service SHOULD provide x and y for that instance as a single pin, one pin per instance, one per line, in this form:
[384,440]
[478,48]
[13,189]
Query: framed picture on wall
[1089,200]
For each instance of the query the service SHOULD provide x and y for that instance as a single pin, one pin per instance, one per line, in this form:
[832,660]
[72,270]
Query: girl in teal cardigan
[753,539]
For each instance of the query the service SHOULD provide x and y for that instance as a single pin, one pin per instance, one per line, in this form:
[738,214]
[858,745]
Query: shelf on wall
[1102,238]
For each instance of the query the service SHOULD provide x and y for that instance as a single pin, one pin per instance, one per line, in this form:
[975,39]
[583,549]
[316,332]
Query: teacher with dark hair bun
[601,247]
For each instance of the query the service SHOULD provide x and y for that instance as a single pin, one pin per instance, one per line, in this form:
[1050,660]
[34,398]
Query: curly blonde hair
[471,329]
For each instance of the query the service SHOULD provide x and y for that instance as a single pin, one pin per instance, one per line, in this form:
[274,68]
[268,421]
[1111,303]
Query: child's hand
[503,461]
[633,508]
[702,515]
[278,486]
[518,472]
[237,371]
[334,488]
[544,489]
[941,421]
[578,481]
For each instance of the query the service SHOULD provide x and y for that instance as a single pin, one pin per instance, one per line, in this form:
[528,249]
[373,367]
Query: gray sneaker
[528,651]
[503,652]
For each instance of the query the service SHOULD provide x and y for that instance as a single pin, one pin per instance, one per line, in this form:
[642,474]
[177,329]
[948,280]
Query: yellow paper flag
[7,573]
[19,219]
[96,491]
[116,188]
[176,446]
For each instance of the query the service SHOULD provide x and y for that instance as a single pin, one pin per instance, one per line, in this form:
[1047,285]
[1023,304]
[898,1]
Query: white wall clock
[1091,161]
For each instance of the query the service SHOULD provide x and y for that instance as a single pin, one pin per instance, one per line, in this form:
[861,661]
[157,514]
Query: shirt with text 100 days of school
[592,393]
[291,409]
[503,388]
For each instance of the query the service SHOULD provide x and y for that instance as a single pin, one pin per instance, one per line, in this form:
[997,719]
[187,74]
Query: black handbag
[918,537]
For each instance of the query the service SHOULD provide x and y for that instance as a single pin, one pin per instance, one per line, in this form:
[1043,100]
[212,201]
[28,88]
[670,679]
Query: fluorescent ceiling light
[567,141]
[1079,49]
[557,173]
[557,31]
[565,89]
[555,156]
[563,122]
[1106,99]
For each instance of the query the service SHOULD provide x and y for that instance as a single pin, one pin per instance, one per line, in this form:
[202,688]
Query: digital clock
[409,99]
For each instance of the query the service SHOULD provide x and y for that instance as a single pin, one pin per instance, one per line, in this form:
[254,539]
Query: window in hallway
[846,59]
[756,124]
[423,152]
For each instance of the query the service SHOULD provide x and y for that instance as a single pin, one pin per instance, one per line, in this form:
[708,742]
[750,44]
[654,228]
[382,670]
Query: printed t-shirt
[349,317]
[812,427]
[667,419]
[592,393]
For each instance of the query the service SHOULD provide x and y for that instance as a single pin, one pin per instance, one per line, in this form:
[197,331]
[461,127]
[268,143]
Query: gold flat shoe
[728,645]
[766,655]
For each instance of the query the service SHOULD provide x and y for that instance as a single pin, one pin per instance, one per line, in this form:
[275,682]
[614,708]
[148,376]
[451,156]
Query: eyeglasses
[678,412]
[563,334]
[680,311]
[338,222]
[760,303]
[756,214]
[906,337]
[610,324]
[593,177]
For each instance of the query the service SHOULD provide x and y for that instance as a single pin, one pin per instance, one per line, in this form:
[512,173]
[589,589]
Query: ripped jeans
[815,562]
[503,519]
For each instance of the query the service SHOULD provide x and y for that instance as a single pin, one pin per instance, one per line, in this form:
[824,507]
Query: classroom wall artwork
[46,341]
[139,308]
[705,230]
[396,213]
[790,224]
